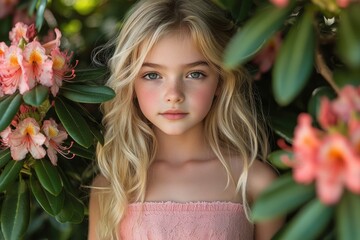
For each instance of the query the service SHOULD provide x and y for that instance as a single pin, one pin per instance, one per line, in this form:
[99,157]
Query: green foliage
[36,96]
[9,106]
[348,216]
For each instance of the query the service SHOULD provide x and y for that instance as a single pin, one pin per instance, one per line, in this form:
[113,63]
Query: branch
[324,70]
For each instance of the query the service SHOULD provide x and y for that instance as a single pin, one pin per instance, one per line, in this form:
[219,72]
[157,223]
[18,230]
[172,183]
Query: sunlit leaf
[9,106]
[87,94]
[10,174]
[294,62]
[15,211]
[5,157]
[36,96]
[48,176]
[281,197]
[348,217]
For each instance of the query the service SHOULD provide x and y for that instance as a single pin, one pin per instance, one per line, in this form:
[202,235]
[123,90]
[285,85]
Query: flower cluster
[330,155]
[27,63]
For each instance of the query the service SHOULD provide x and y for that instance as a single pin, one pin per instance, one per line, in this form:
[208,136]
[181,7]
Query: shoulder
[261,175]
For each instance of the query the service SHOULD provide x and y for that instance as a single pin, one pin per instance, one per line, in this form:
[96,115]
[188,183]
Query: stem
[324,70]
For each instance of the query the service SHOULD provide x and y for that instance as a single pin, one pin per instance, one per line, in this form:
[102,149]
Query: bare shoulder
[261,175]
[100,182]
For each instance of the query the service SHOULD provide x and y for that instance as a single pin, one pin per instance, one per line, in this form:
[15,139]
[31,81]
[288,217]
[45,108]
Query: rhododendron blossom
[27,138]
[18,32]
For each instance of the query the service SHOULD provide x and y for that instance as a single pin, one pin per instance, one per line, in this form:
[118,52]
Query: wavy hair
[232,125]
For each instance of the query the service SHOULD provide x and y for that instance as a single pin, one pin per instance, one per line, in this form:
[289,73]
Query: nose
[174,91]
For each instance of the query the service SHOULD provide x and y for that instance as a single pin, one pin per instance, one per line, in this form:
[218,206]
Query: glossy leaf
[294,62]
[254,34]
[9,106]
[50,203]
[40,14]
[73,210]
[317,94]
[348,217]
[32,6]
[5,157]
[87,94]
[275,158]
[349,36]
[281,197]
[88,153]
[48,176]
[311,221]
[74,123]
[36,96]
[10,174]
[15,212]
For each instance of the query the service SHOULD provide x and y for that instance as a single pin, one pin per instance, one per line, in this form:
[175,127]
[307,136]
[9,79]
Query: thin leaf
[87,94]
[254,34]
[311,221]
[275,158]
[9,106]
[40,14]
[15,212]
[348,217]
[5,157]
[50,203]
[281,197]
[36,96]
[295,60]
[32,7]
[48,176]
[10,173]
[74,123]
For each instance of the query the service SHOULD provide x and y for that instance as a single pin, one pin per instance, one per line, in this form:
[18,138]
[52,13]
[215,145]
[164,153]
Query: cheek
[204,98]
[145,98]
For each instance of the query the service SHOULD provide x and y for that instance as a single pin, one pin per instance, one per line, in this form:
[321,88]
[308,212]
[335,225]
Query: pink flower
[338,166]
[280,3]
[38,64]
[354,132]
[327,117]
[18,32]
[55,136]
[53,44]
[12,72]
[61,66]
[305,146]
[347,102]
[27,138]
[3,48]
[4,141]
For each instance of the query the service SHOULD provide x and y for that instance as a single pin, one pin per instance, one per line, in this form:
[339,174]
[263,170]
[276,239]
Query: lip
[174,114]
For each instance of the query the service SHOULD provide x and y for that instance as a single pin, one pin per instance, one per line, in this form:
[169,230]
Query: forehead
[176,48]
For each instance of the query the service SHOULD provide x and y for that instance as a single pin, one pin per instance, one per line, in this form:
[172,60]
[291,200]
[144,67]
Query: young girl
[183,139]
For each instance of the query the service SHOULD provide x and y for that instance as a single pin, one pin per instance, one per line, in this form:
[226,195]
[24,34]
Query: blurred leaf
[343,78]
[32,7]
[87,94]
[9,106]
[275,158]
[40,14]
[254,34]
[74,123]
[10,173]
[283,124]
[281,197]
[348,217]
[36,96]
[50,203]
[5,157]
[310,221]
[48,176]
[15,211]
[88,153]
[294,62]
[97,75]
[73,210]
[349,36]
[95,130]
[317,94]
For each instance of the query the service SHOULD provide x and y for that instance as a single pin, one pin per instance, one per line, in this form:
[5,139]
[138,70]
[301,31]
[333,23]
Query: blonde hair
[232,125]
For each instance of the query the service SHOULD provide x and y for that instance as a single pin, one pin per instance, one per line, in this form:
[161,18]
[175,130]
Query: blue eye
[195,75]
[151,76]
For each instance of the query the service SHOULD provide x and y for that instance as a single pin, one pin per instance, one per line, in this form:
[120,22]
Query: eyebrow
[192,64]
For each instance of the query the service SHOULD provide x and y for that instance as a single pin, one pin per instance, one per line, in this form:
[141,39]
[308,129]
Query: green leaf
[73,210]
[281,197]
[87,94]
[294,62]
[32,7]
[10,173]
[74,123]
[94,75]
[283,124]
[36,96]
[48,176]
[50,203]
[315,100]
[40,14]
[5,157]
[348,217]
[15,211]
[275,158]
[9,106]
[343,78]
[254,34]
[88,153]
[349,36]
[311,221]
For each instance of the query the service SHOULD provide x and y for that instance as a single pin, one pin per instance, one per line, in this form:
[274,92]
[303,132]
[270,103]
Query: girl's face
[176,86]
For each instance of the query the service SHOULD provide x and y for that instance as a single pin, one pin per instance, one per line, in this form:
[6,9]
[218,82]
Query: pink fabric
[194,220]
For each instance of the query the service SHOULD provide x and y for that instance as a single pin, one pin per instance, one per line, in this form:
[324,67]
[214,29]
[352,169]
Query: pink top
[194,220]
